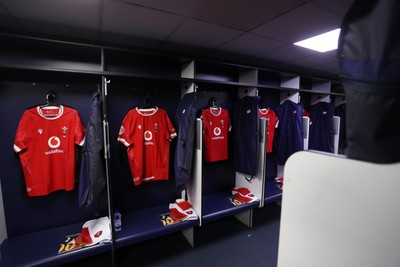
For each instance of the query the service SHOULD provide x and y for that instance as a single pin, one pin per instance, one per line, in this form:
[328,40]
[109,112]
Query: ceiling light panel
[322,43]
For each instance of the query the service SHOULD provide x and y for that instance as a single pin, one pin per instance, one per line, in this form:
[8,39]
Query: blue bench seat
[41,248]
[145,224]
[272,192]
[216,206]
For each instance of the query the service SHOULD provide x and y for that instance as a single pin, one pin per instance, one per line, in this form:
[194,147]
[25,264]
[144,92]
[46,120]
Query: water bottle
[117,221]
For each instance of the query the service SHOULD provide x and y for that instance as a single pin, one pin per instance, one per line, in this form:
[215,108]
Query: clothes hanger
[147,103]
[262,105]
[211,102]
[214,109]
[51,98]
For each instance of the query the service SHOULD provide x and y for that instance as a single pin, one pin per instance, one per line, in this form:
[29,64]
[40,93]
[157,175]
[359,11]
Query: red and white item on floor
[279,182]
[181,210]
[244,195]
[94,232]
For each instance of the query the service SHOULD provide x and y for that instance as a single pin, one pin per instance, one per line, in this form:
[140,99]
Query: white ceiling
[256,32]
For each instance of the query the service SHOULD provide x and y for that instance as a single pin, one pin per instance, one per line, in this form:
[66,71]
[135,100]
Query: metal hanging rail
[106,139]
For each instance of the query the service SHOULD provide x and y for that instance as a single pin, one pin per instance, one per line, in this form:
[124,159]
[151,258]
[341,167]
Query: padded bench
[272,192]
[41,248]
[216,206]
[145,224]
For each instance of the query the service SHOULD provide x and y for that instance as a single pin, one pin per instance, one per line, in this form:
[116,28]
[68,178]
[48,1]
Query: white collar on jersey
[264,110]
[50,115]
[216,111]
[147,111]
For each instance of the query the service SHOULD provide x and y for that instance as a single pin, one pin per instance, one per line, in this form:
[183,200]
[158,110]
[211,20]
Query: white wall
[339,212]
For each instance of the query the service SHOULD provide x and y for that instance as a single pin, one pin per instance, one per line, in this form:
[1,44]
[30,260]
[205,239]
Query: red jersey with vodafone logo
[272,120]
[147,134]
[45,141]
[216,126]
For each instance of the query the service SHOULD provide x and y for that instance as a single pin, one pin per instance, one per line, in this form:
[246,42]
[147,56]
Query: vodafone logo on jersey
[148,136]
[217,132]
[54,142]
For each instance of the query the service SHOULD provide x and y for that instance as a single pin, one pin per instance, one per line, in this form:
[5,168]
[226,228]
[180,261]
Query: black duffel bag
[369,56]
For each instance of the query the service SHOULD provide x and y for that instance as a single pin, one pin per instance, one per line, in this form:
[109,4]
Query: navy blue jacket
[186,121]
[321,128]
[289,135]
[92,179]
[245,126]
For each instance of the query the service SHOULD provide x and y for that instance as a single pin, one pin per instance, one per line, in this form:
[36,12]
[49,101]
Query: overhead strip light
[322,43]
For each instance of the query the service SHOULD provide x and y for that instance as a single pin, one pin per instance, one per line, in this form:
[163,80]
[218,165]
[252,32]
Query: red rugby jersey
[147,134]
[45,141]
[272,120]
[216,126]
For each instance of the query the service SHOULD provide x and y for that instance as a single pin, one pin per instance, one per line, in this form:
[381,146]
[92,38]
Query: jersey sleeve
[203,117]
[80,131]
[170,127]
[126,130]
[229,121]
[21,134]
[275,120]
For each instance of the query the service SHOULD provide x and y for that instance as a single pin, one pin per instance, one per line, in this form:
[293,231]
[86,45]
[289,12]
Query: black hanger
[147,102]
[211,102]
[51,98]
[261,103]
